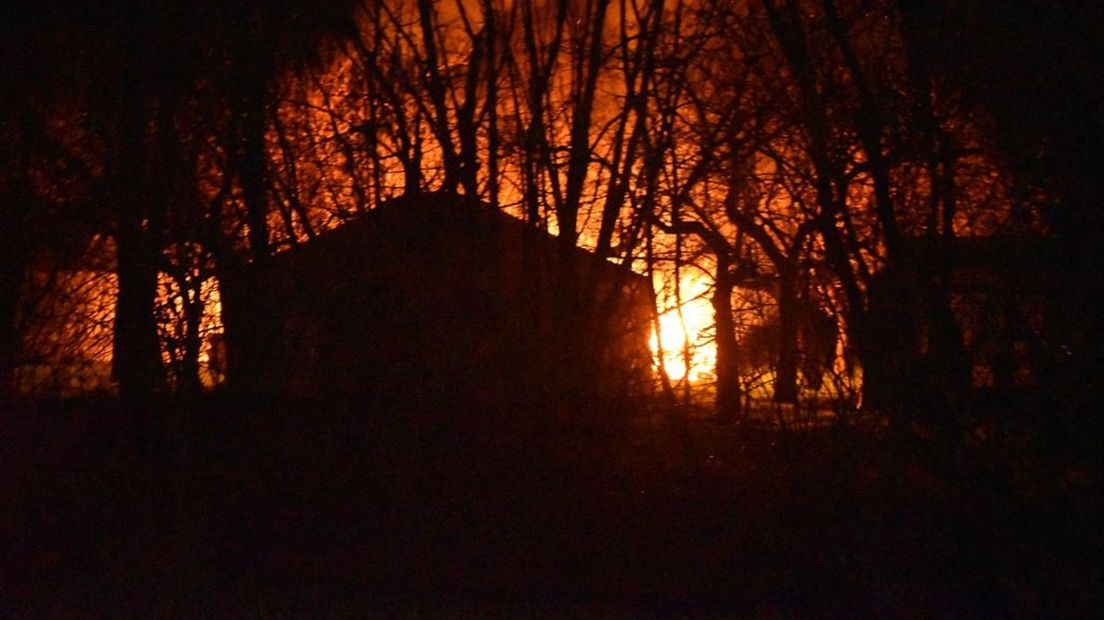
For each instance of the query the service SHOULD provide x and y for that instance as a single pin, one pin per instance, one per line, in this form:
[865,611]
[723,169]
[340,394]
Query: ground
[325,510]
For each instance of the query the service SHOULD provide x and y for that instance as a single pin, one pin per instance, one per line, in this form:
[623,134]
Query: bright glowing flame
[689,350]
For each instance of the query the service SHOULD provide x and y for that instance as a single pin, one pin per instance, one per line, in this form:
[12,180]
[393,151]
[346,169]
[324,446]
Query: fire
[686,333]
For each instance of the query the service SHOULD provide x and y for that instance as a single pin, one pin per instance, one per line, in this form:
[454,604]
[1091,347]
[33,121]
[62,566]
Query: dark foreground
[339,511]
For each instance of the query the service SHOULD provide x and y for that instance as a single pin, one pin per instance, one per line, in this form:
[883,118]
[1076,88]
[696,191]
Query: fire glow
[688,349]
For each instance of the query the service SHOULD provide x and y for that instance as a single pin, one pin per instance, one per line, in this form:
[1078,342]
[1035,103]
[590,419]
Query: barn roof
[431,220]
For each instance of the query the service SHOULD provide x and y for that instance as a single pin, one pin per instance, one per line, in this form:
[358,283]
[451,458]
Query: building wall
[430,305]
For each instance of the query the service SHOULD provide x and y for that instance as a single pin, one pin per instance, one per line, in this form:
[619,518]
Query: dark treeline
[894,203]
[818,162]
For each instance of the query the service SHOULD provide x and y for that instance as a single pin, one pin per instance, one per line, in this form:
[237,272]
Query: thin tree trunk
[536,147]
[11,278]
[728,400]
[435,88]
[137,362]
[785,381]
[14,255]
[137,353]
[252,174]
[190,382]
[579,149]
[490,32]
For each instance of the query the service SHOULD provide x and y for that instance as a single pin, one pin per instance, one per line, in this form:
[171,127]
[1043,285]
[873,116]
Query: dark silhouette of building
[434,302]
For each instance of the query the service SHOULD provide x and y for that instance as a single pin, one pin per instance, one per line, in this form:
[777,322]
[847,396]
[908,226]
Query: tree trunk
[15,255]
[251,173]
[10,281]
[727,405]
[137,352]
[579,151]
[789,315]
[136,364]
[190,383]
[13,259]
